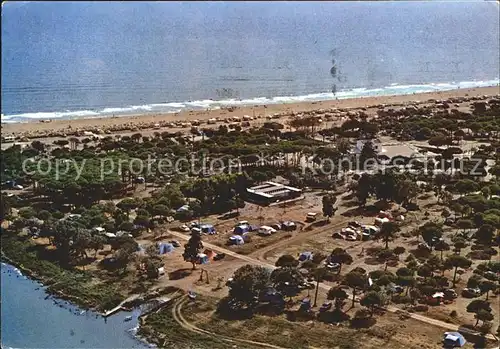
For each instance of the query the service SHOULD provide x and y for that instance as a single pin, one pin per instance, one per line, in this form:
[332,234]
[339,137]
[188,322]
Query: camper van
[311,216]
[8,139]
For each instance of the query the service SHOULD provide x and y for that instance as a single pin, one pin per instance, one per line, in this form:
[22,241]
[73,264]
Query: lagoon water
[31,321]
[72,59]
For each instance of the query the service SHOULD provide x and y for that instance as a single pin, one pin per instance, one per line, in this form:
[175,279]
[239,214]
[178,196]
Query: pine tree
[192,249]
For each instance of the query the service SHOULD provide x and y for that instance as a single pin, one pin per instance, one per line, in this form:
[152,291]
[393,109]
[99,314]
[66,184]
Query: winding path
[177,315]
[392,309]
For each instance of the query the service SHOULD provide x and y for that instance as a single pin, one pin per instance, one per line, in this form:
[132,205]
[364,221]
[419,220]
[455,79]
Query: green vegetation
[78,286]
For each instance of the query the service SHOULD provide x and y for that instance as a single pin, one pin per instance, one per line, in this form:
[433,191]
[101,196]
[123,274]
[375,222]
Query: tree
[371,300]
[465,224]
[142,220]
[128,204]
[478,304]
[355,280]
[340,256]
[385,256]
[248,281]
[483,315]
[192,249]
[399,250]
[44,215]
[27,212]
[81,241]
[363,188]
[161,210]
[287,260]
[405,278]
[287,280]
[152,250]
[431,232]
[486,286]
[406,192]
[440,180]
[338,295]
[122,257]
[442,246]
[459,244]
[424,271]
[466,186]
[486,192]
[485,234]
[367,155]
[151,267]
[434,263]
[387,232]
[456,261]
[64,231]
[328,209]
[474,281]
[319,274]
[97,243]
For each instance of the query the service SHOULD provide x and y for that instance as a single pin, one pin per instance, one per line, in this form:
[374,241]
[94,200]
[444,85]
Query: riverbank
[57,127]
[56,323]
[78,287]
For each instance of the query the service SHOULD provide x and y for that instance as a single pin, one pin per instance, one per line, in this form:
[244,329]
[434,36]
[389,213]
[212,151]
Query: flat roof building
[270,192]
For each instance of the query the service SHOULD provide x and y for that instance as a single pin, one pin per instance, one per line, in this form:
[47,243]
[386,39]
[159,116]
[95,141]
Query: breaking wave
[175,107]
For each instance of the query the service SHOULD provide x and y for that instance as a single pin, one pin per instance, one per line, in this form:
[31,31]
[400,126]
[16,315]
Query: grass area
[162,330]
[75,285]
[276,330]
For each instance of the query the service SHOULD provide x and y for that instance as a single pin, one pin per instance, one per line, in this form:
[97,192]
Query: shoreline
[34,276]
[101,125]
[28,274]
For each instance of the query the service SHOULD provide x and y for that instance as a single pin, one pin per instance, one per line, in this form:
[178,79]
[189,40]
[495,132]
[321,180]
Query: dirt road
[392,309]
[177,315]
[262,253]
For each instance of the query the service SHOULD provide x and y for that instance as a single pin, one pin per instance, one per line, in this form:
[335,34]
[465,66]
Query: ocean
[91,59]
[31,320]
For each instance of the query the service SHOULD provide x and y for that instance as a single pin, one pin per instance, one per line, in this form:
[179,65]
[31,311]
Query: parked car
[325,307]
[424,246]
[471,292]
[184,228]
[450,220]
[311,216]
[395,289]
[354,224]
[351,238]
[276,226]
[219,256]
[332,266]
[338,235]
[175,243]
[307,285]
[450,293]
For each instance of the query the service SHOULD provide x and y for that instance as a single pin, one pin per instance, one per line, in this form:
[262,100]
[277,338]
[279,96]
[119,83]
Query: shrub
[453,313]
[43,215]
[26,212]
[57,214]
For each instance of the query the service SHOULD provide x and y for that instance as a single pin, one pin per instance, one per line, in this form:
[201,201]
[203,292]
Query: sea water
[91,59]
[32,319]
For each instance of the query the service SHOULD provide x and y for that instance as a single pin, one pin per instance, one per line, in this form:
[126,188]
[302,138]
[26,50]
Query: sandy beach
[44,128]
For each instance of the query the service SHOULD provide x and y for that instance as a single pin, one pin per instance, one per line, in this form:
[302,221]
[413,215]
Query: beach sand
[144,121]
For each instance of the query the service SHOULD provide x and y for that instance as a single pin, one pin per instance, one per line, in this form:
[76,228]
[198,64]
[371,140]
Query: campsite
[393,256]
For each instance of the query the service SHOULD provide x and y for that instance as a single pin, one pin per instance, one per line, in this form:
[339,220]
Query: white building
[377,145]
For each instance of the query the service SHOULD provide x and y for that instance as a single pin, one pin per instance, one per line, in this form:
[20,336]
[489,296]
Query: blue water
[28,320]
[90,59]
